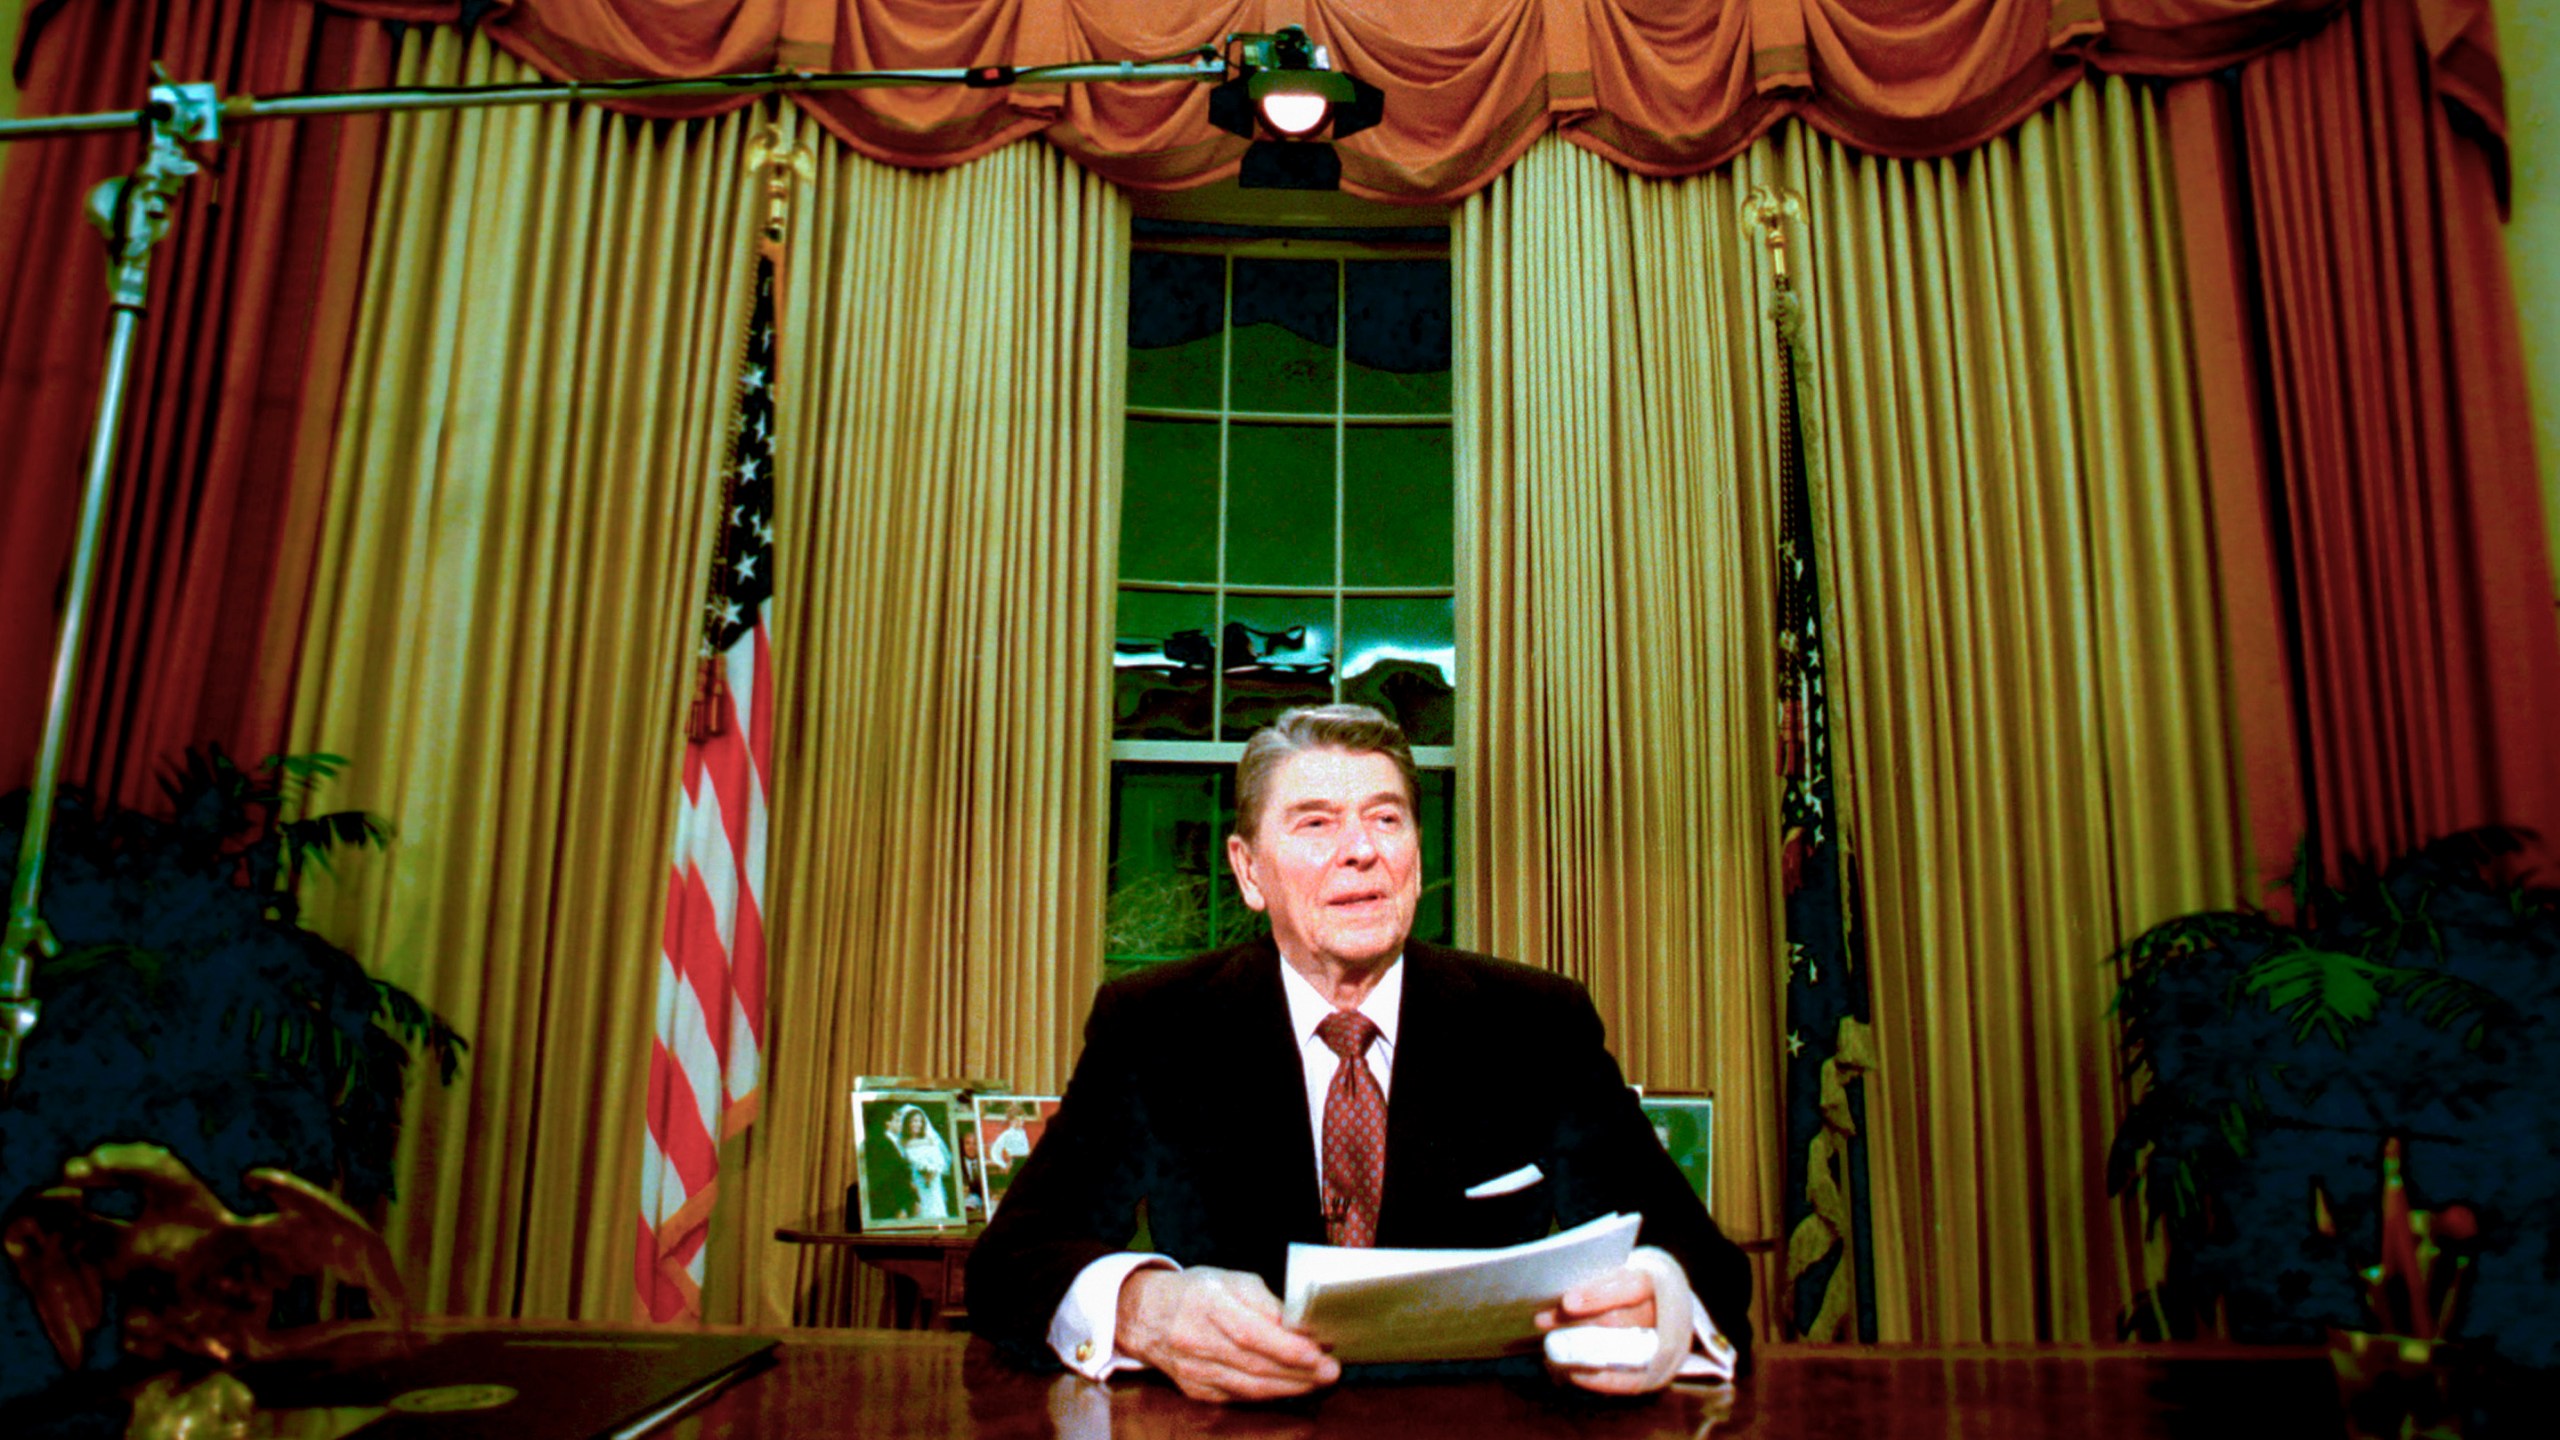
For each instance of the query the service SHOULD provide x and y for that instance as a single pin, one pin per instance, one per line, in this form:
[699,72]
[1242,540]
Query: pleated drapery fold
[1659,87]
[954,359]
[2035,751]
[501,634]
[506,607]
[1617,751]
[2031,734]
[2399,433]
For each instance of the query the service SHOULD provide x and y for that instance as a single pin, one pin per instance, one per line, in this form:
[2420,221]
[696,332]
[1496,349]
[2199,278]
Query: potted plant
[2266,1059]
[189,1008]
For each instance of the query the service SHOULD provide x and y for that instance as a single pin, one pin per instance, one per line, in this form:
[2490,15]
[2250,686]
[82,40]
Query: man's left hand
[1649,1290]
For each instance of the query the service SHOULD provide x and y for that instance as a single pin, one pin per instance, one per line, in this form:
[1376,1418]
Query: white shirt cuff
[1087,1321]
[1714,1358]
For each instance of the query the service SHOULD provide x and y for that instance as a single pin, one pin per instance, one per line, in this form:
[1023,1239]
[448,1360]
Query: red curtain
[1659,86]
[234,383]
[2407,507]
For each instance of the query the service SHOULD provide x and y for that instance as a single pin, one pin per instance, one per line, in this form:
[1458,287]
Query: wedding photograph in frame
[1008,1128]
[907,1156]
[1685,1124]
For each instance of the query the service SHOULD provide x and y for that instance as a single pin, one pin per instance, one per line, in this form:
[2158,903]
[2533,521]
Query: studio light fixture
[1287,98]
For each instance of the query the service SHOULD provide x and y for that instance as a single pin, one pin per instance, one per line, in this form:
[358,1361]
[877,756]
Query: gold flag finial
[1768,208]
[782,163]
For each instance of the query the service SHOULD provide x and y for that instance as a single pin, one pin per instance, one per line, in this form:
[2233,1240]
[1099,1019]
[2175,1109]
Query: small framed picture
[1685,1124]
[906,1146]
[1008,1127]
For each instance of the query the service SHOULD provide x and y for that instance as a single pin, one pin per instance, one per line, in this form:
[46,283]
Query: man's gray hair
[1357,729]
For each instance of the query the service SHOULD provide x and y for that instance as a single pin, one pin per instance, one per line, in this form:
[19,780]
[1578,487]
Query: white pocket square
[1520,1179]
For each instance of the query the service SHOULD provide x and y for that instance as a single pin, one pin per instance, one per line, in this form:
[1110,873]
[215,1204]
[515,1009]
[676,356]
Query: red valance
[1663,87]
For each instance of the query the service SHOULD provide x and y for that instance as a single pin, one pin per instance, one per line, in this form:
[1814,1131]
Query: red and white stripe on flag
[706,1066]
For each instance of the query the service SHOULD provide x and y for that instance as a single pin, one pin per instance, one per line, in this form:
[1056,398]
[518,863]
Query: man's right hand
[1218,1335]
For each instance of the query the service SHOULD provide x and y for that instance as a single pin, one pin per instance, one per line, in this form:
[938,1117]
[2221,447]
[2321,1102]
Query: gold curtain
[953,365]
[1617,758]
[510,578]
[2030,727]
[2035,739]
[518,517]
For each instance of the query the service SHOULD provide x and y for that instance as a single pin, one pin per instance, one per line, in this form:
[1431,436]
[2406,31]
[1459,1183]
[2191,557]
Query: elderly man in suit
[1336,1083]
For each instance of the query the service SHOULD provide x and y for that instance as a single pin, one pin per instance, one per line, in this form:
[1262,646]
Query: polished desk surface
[895,1384]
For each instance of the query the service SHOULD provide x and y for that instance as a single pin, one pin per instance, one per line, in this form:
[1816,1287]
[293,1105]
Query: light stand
[135,211]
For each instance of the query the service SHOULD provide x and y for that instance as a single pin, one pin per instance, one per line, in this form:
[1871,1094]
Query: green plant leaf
[309,841]
[2445,1000]
[2330,991]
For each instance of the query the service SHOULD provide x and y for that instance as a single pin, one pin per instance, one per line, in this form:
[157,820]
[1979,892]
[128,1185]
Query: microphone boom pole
[135,210]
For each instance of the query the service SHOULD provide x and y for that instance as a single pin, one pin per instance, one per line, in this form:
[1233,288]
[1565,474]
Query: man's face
[1334,860]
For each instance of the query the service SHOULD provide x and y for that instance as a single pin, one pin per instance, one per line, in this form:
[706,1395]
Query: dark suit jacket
[1191,1097]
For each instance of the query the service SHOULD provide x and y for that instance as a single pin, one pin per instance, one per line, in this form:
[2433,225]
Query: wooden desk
[925,1386]
[928,1269]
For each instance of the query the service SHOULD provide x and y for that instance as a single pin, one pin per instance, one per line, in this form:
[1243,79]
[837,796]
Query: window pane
[1177,307]
[1285,333]
[1169,502]
[1160,673]
[1398,527]
[1278,653]
[1435,808]
[1402,657]
[1396,337]
[1171,893]
[1280,505]
[1163,819]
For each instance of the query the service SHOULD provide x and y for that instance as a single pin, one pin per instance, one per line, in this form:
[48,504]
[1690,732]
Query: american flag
[707,1064]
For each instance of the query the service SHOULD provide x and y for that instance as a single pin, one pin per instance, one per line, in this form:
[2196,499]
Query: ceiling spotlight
[1284,95]
[1292,112]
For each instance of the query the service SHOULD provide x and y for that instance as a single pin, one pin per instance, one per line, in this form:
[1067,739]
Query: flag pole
[135,211]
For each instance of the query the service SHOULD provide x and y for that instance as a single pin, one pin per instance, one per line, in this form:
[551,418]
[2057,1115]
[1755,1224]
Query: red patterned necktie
[1355,1133]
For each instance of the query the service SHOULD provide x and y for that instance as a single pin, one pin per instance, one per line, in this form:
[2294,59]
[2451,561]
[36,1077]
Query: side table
[928,1269]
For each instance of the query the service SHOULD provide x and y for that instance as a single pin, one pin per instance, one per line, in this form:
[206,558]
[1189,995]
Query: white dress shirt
[1308,1009]
[1085,1327]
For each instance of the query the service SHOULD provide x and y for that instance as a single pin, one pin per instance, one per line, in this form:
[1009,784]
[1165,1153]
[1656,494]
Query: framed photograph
[906,1146]
[1685,1124]
[1008,1127]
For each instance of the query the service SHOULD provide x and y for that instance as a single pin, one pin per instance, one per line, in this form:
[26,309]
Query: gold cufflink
[1084,1353]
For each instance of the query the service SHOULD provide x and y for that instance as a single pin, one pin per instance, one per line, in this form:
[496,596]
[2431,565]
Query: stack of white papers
[1371,1306]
